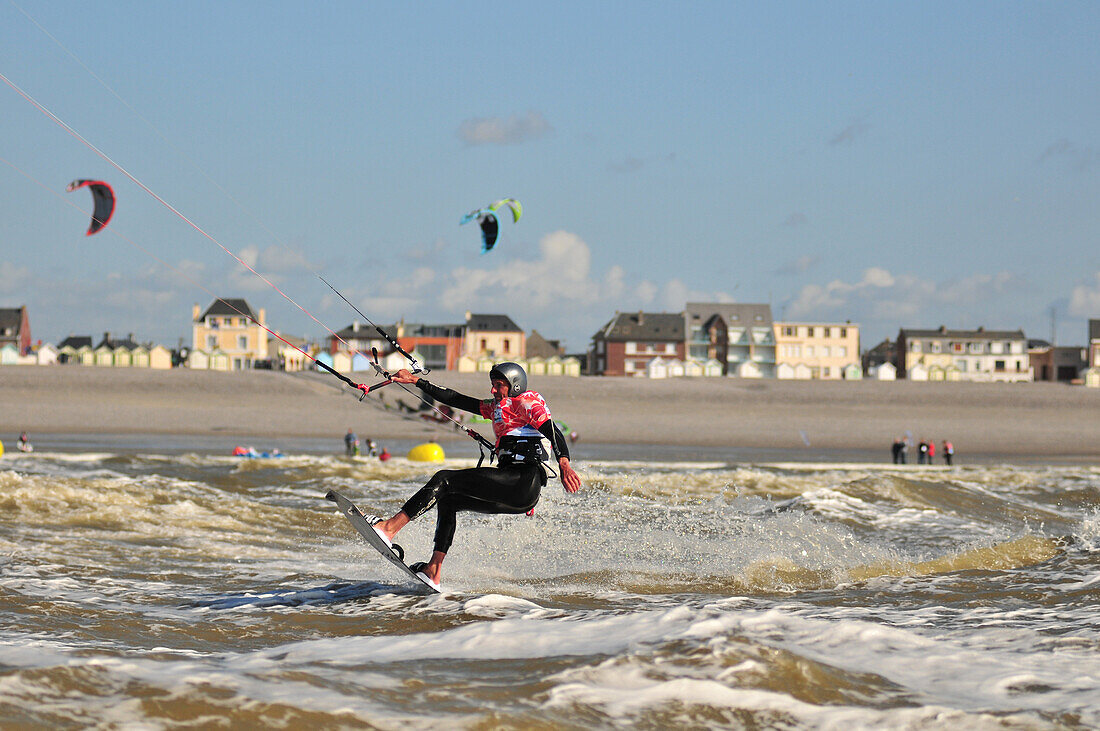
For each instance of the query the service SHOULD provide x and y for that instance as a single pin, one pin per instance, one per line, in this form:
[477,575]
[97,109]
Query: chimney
[195,312]
[355,326]
[641,317]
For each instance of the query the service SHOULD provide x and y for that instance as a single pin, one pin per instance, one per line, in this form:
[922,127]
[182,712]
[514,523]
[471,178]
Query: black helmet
[512,374]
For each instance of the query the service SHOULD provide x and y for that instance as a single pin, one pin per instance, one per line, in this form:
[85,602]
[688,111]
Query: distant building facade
[817,351]
[1056,363]
[741,337]
[963,355]
[493,336]
[1094,344]
[229,334]
[15,329]
[629,341]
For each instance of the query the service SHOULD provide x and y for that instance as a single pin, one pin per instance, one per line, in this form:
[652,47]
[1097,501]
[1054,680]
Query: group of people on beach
[926,451]
[354,448]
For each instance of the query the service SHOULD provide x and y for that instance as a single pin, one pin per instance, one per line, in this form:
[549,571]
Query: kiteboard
[358,521]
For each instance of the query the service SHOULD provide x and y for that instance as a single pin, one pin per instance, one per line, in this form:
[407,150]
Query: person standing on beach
[948,452]
[922,452]
[931,451]
[351,443]
[520,420]
[896,450]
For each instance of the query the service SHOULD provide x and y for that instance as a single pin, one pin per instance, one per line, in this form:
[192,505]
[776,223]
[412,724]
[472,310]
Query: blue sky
[896,165]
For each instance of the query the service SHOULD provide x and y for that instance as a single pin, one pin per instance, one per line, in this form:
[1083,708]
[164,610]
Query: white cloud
[1084,301]
[501,131]
[880,298]
[556,291]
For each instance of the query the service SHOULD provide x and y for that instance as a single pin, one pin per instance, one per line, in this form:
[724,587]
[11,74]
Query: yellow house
[495,337]
[816,350]
[233,329]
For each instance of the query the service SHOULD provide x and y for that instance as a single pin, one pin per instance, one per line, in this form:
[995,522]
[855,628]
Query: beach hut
[46,355]
[749,369]
[123,357]
[466,364]
[952,373]
[917,373]
[160,358]
[220,361]
[139,357]
[341,361]
[103,356]
[935,373]
[360,362]
[656,368]
[9,354]
[538,367]
[86,355]
[784,372]
[485,364]
[198,360]
[712,369]
[803,372]
[1091,377]
[883,372]
[554,366]
[693,368]
[325,358]
[571,367]
[851,372]
[67,355]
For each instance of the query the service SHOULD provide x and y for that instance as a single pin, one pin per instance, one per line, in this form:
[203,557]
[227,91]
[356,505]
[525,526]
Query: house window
[996,348]
[914,347]
[809,332]
[828,334]
[977,348]
[825,371]
[843,332]
[999,366]
[936,347]
[211,342]
[631,347]
[759,318]
[841,351]
[809,351]
[242,342]
[957,347]
[507,346]
[788,331]
[484,345]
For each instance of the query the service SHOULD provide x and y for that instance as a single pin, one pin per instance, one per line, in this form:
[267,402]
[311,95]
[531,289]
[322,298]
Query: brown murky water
[164,591]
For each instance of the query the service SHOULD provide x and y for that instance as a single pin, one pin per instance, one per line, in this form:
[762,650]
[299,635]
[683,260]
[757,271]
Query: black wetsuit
[512,487]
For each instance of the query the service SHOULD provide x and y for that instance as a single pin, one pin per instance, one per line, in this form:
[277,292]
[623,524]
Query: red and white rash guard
[517,416]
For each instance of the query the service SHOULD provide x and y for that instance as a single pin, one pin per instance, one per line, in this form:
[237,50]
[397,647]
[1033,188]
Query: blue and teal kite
[487,219]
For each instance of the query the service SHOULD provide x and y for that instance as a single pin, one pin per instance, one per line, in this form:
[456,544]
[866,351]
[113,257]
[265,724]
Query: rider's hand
[570,480]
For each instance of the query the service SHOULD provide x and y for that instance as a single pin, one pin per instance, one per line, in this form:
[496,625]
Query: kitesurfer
[520,420]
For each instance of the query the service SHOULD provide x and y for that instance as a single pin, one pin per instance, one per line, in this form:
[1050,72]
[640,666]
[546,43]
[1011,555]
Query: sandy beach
[1027,420]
